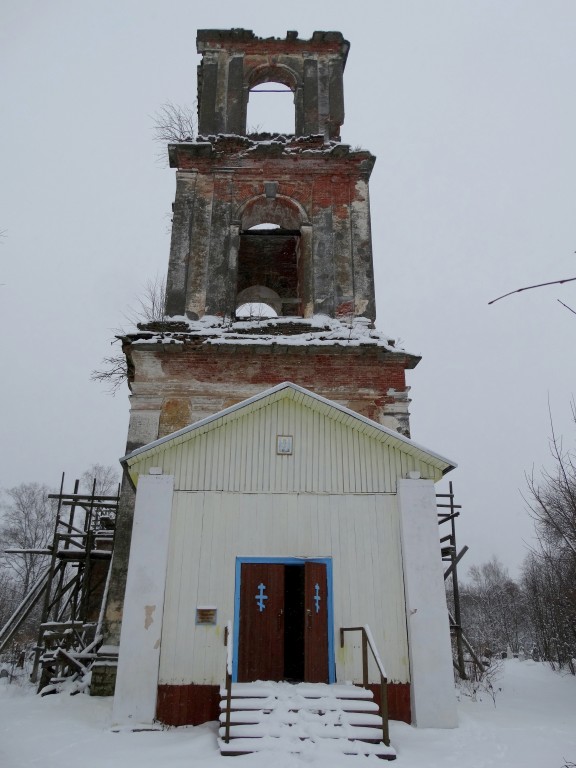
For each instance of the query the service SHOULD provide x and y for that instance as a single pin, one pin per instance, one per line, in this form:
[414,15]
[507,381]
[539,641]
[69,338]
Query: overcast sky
[469,108]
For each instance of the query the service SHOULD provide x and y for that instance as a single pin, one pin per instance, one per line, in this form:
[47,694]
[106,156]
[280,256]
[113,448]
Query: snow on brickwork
[319,330]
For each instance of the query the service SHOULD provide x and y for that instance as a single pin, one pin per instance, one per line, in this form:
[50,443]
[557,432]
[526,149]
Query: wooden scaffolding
[71,589]
[450,555]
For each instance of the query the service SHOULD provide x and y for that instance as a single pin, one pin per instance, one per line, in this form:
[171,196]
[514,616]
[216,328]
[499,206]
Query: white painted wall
[329,456]
[333,497]
[359,532]
[137,678]
[432,690]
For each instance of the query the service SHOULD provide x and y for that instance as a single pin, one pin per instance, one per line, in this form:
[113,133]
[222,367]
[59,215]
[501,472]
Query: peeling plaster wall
[186,383]
[221,190]
[235,60]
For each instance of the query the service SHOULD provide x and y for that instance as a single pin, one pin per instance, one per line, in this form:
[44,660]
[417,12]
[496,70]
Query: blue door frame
[327,561]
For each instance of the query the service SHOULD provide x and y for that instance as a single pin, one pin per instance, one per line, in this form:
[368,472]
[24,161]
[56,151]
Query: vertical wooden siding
[210,529]
[329,456]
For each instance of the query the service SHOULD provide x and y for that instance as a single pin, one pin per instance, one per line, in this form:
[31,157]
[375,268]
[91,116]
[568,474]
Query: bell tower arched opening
[268,260]
[270,109]
[232,65]
[272,255]
[271,100]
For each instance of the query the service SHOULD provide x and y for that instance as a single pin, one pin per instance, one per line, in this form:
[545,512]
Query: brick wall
[176,385]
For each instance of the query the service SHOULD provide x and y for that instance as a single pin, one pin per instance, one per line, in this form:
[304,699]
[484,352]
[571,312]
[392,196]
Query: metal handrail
[228,642]
[368,642]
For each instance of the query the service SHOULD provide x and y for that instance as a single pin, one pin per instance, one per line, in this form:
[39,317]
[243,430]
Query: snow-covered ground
[532,725]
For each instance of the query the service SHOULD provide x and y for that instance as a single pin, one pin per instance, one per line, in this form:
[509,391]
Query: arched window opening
[271,109]
[268,268]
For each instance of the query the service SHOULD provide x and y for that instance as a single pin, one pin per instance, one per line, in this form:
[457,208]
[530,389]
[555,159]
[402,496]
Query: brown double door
[283,627]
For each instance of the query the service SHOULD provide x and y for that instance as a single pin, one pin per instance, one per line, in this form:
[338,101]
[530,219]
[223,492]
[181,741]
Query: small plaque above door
[284,444]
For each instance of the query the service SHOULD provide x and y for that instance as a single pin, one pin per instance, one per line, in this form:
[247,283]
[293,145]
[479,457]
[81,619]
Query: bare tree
[27,523]
[150,305]
[493,609]
[9,597]
[174,123]
[550,570]
[549,584]
[113,370]
[552,499]
[103,479]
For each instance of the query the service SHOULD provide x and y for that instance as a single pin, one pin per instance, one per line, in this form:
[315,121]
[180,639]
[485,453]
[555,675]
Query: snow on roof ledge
[316,331]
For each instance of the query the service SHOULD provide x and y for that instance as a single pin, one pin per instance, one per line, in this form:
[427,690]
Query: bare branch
[150,304]
[567,307]
[174,123]
[529,287]
[113,370]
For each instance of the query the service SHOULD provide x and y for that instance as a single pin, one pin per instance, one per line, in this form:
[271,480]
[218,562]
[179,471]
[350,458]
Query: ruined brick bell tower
[312,262]
[279,220]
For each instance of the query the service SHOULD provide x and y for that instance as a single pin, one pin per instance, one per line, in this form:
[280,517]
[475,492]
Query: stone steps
[303,718]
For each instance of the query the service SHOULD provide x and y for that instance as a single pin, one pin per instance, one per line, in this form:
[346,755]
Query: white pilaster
[433,697]
[137,678]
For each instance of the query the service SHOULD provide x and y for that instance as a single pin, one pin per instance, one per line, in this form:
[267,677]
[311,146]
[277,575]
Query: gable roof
[305,397]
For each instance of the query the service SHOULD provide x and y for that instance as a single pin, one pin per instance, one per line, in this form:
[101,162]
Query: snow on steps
[303,718]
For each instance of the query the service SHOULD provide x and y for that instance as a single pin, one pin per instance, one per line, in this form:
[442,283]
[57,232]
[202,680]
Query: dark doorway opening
[270,258]
[283,622]
[294,623]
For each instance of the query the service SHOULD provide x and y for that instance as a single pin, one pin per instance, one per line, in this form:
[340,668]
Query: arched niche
[275,257]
